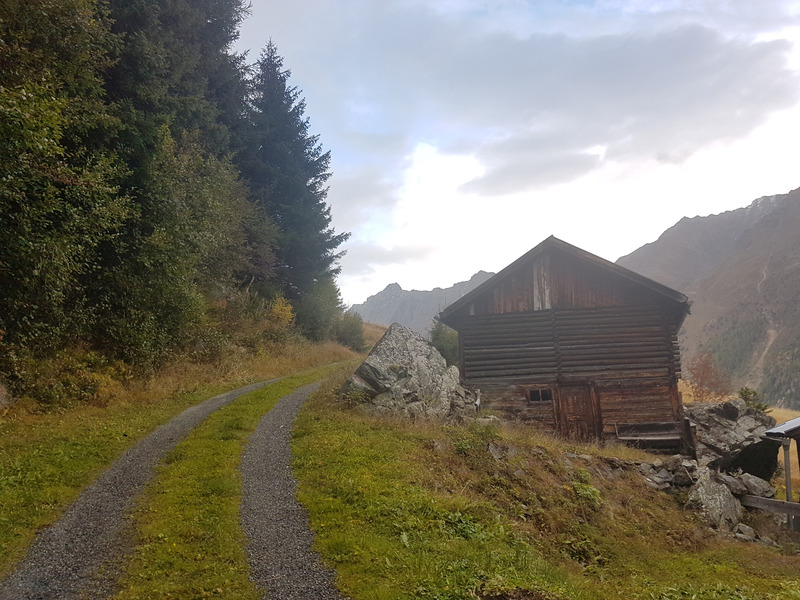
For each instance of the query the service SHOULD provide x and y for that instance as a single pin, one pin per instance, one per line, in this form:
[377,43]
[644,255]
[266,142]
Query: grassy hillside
[424,510]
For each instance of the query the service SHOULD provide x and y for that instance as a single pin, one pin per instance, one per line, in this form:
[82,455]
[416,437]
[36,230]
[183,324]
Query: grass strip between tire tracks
[45,465]
[190,543]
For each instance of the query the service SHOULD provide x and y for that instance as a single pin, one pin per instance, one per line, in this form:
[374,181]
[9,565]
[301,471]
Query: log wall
[629,353]
[633,342]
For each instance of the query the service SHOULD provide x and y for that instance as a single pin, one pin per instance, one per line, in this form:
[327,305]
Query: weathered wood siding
[637,402]
[629,353]
[557,346]
[513,401]
[555,280]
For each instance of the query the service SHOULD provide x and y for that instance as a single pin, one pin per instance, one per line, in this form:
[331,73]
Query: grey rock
[756,486]
[745,532]
[682,477]
[646,469]
[662,479]
[689,465]
[735,485]
[768,541]
[734,408]
[653,484]
[729,437]
[496,452]
[615,463]
[583,457]
[405,375]
[674,462]
[714,501]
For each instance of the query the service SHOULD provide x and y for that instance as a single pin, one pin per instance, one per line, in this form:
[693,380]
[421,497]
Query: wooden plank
[769,504]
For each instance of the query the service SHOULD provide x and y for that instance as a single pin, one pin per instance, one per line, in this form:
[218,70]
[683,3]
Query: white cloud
[602,121]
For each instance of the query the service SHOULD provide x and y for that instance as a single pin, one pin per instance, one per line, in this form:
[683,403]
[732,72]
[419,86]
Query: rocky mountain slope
[741,269]
[414,308]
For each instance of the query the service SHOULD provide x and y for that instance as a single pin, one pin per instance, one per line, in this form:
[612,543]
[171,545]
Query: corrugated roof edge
[789,429]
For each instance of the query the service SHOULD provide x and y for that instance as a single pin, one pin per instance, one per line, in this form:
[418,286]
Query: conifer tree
[175,87]
[287,171]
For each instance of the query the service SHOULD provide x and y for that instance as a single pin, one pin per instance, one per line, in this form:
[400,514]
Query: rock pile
[405,375]
[730,438]
[733,459]
[711,493]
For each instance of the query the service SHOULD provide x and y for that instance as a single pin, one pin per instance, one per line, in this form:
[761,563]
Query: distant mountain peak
[414,308]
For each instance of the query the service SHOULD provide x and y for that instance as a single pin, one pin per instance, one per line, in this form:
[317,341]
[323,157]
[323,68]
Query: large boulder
[715,502]
[730,438]
[404,374]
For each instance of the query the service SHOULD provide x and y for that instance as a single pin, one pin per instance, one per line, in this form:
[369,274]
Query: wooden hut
[576,344]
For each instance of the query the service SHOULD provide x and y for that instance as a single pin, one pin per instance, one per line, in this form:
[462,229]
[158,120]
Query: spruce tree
[287,171]
[176,88]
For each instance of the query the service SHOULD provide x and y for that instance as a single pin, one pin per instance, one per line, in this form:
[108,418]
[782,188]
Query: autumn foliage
[708,382]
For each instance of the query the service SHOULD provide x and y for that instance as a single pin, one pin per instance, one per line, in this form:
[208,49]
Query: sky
[464,132]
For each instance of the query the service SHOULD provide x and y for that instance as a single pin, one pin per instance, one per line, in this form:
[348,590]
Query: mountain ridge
[415,309]
[741,269]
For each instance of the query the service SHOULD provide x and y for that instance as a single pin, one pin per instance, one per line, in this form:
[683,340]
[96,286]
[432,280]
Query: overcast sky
[464,132]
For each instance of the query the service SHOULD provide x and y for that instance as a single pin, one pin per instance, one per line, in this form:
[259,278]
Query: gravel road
[65,559]
[282,561]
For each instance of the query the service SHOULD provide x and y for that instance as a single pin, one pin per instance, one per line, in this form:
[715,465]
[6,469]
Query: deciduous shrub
[349,331]
[445,340]
[708,382]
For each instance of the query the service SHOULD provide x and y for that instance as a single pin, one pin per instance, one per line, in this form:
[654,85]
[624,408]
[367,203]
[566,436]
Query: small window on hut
[545,395]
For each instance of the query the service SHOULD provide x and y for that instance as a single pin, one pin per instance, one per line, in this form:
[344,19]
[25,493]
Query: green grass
[423,510]
[46,461]
[387,534]
[190,544]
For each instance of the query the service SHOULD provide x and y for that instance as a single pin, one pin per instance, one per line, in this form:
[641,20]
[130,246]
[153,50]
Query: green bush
[752,399]
[445,340]
[349,331]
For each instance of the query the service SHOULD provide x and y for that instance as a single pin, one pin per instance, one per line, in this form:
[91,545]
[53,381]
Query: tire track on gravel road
[283,564]
[65,558]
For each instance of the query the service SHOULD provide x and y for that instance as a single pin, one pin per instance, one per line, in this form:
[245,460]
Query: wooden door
[578,414]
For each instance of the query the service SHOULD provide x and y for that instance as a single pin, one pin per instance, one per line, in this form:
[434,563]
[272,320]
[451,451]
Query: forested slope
[741,269]
[158,194]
